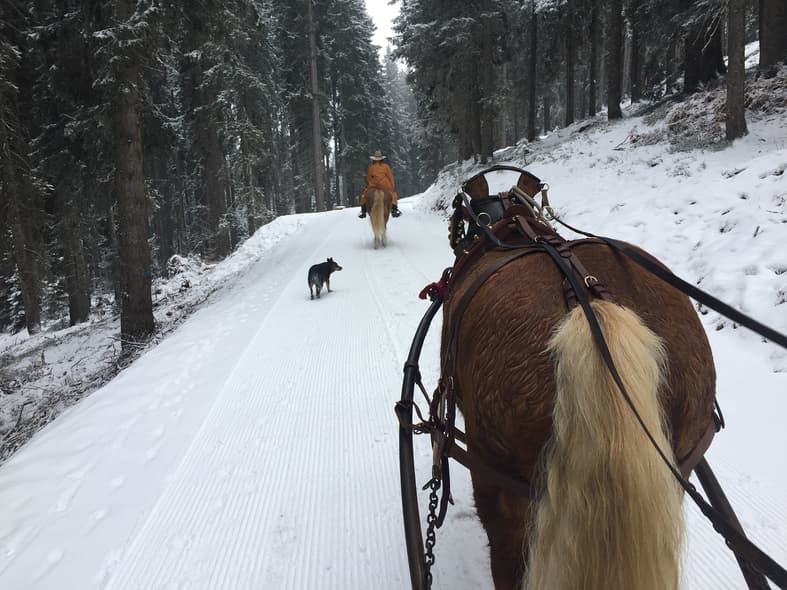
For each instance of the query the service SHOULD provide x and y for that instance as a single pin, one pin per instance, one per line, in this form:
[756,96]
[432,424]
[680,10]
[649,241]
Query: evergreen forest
[135,131]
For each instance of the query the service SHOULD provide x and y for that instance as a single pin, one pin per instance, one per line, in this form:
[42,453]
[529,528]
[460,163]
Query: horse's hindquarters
[608,498]
[379,206]
[506,378]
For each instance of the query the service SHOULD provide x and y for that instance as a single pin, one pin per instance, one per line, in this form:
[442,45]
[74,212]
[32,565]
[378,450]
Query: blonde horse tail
[377,216]
[610,516]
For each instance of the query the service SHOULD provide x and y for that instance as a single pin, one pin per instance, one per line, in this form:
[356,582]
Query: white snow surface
[256,446]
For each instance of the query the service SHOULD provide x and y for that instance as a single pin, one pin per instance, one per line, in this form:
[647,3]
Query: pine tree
[456,52]
[773,34]
[122,53]
[614,58]
[66,138]
[736,75]
[703,56]
[23,200]
[292,37]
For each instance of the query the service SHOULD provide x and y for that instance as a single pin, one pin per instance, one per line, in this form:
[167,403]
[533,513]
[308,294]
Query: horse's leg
[504,517]
[386,216]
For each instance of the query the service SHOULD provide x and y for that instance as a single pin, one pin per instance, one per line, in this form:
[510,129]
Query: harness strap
[471,291]
[687,288]
[472,462]
[736,541]
[564,249]
[478,466]
[695,455]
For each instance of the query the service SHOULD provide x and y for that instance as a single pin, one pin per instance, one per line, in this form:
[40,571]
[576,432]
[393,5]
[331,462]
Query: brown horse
[379,204]
[540,405]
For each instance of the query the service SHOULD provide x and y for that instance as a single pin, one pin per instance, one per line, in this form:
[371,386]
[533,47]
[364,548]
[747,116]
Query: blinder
[474,205]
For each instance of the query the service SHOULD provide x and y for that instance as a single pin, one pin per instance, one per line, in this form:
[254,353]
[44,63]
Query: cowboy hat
[378,155]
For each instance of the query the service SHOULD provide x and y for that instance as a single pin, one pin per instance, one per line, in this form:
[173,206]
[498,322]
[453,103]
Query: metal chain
[431,522]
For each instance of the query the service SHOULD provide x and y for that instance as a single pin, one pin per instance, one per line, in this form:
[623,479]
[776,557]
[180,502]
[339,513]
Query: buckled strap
[473,463]
[468,296]
[690,461]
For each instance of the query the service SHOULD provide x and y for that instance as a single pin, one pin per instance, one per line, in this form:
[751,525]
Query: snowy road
[256,447]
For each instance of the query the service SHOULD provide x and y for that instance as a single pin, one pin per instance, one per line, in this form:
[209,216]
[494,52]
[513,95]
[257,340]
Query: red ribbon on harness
[435,290]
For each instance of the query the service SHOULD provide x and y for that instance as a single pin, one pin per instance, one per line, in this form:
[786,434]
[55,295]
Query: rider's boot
[395,211]
[362,214]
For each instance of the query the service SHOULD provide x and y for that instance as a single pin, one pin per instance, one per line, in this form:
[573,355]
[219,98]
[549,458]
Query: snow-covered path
[256,447]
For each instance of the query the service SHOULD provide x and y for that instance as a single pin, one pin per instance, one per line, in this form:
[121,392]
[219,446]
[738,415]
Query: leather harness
[506,219]
[509,220]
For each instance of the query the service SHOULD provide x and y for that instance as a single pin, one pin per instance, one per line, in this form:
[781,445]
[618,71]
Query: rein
[753,561]
[688,289]
[736,541]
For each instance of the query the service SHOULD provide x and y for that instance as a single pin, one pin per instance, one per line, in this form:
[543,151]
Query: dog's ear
[330,260]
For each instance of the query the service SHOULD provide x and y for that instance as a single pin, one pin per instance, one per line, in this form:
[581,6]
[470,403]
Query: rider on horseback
[380,176]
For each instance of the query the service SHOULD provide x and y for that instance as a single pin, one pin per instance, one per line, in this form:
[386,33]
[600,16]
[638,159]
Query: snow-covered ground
[42,375]
[256,445]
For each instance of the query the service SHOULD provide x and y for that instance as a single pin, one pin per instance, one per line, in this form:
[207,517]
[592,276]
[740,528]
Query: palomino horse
[378,202]
[539,405]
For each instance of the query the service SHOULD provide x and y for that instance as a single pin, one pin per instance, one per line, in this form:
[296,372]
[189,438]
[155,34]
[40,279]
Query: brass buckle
[489,217]
[590,279]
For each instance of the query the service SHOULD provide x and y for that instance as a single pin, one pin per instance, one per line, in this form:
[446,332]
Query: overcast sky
[382,14]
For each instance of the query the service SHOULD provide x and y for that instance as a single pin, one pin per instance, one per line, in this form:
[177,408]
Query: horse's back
[382,196]
[504,333]
[691,376]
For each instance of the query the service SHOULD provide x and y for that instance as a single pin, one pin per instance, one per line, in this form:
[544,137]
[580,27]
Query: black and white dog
[320,274]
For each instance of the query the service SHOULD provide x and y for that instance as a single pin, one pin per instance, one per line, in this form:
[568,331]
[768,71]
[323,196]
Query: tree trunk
[614,49]
[465,126]
[74,264]
[486,109]
[736,74]
[114,259]
[773,34]
[228,227]
[215,190]
[672,67]
[136,306]
[635,75]
[475,125]
[532,73]
[593,65]
[180,205]
[338,139]
[287,203]
[547,118]
[319,198]
[570,59]
[18,192]
[704,59]
[25,248]
[487,130]
[165,216]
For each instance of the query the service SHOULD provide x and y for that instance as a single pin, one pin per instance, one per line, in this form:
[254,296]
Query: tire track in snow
[135,545]
[235,545]
[708,562]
